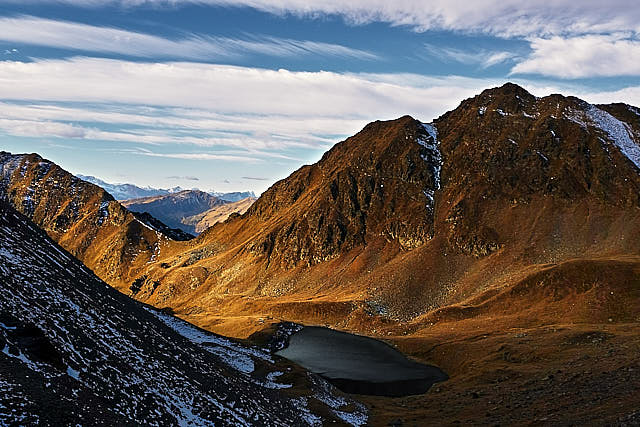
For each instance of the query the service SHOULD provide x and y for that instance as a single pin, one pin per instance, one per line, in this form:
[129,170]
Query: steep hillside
[75,351]
[220,213]
[405,218]
[83,218]
[172,209]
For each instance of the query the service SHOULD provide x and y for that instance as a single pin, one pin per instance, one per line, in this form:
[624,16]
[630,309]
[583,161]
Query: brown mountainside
[390,222]
[404,218]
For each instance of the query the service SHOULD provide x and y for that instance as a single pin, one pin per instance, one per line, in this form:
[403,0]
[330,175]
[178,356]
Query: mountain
[75,351]
[155,224]
[217,214]
[498,242]
[172,209]
[131,191]
[126,191]
[82,217]
[405,218]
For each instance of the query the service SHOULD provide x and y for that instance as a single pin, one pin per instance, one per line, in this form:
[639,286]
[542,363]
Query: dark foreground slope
[75,351]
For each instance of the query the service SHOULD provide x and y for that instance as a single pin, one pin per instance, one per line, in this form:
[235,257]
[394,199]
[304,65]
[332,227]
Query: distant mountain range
[130,191]
[173,208]
[217,214]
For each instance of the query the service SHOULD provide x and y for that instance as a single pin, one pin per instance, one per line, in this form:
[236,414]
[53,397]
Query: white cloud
[31,128]
[501,17]
[585,56]
[230,89]
[89,38]
[482,57]
[229,112]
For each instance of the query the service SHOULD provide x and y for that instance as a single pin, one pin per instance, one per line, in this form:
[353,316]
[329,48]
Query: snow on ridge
[237,357]
[618,131]
[434,159]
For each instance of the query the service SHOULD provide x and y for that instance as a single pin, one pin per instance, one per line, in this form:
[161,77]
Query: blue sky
[232,95]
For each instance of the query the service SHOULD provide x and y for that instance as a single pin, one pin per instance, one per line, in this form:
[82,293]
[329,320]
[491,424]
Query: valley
[497,243]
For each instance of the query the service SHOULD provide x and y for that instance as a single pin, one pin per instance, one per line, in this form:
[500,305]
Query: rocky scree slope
[75,351]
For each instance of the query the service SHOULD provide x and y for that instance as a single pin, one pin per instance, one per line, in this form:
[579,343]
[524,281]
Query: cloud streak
[90,38]
[184,178]
[483,58]
[505,18]
[212,117]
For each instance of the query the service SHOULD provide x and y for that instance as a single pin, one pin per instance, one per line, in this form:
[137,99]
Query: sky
[233,95]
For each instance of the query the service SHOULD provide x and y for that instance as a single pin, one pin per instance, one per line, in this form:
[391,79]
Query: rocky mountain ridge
[83,218]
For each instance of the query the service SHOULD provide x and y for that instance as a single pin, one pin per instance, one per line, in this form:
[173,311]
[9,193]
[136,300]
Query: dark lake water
[357,364]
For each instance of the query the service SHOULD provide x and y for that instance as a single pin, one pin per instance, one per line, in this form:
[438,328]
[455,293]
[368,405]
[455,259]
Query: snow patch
[235,356]
[433,158]
[575,116]
[73,373]
[619,132]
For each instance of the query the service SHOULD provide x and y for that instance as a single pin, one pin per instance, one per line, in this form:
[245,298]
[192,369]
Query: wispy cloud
[135,104]
[184,178]
[253,178]
[499,17]
[585,56]
[216,88]
[90,38]
[482,57]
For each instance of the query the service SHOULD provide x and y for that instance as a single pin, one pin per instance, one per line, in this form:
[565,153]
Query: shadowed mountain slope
[75,351]
[83,218]
[173,208]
